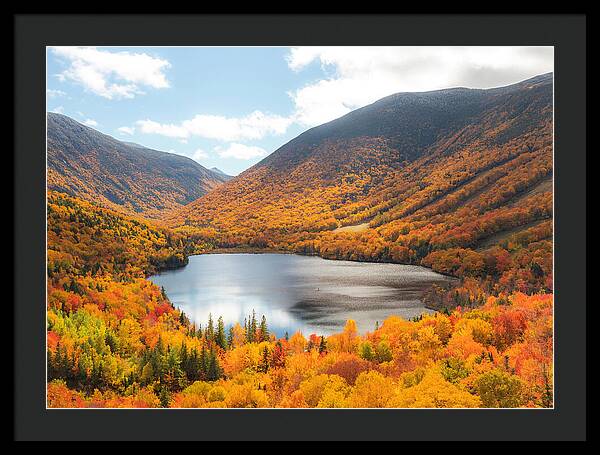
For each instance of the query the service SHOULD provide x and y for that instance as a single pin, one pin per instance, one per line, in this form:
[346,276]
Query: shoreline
[249,250]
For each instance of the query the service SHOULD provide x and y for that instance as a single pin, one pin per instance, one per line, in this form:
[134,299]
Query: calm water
[304,293]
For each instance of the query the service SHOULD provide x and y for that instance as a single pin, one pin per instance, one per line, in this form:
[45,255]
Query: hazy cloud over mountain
[358,76]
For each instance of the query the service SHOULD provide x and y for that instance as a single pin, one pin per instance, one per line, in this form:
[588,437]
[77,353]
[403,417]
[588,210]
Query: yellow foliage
[371,390]
[325,391]
[433,392]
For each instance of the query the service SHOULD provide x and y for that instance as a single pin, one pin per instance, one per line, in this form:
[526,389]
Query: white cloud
[90,122]
[51,93]
[240,151]
[58,109]
[128,130]
[152,127]
[112,75]
[362,75]
[255,125]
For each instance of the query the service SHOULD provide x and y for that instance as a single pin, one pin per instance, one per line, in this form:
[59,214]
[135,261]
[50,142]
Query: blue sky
[230,107]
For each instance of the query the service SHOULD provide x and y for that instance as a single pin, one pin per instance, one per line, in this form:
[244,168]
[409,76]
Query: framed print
[269,235]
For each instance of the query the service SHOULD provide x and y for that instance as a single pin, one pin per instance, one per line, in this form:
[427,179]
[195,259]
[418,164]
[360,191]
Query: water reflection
[296,292]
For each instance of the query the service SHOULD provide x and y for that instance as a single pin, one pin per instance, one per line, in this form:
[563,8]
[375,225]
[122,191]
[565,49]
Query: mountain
[220,172]
[401,179]
[86,163]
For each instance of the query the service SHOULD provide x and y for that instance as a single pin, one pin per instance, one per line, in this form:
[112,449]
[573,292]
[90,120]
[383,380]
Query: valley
[454,184]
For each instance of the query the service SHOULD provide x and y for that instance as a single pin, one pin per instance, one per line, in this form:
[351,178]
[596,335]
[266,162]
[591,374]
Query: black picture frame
[567,421]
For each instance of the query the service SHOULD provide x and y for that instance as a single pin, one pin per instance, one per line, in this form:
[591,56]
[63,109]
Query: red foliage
[508,327]
[349,366]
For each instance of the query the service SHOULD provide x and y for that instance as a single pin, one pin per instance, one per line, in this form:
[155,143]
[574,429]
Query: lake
[296,292]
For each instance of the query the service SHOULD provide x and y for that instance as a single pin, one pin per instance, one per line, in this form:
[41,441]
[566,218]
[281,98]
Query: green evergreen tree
[203,363]
[157,359]
[214,371]
[263,330]
[253,327]
[184,358]
[172,375]
[210,329]
[193,371]
[183,319]
[265,360]
[220,339]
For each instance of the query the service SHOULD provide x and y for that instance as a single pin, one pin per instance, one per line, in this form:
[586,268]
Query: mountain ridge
[400,96]
[87,163]
[220,172]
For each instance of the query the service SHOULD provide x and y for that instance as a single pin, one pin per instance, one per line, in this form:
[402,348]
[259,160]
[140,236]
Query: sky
[229,107]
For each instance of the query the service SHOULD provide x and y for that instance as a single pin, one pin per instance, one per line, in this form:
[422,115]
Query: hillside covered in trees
[449,179]
[121,175]
[115,340]
[457,180]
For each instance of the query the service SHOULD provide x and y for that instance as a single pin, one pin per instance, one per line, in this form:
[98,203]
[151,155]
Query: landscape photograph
[300,227]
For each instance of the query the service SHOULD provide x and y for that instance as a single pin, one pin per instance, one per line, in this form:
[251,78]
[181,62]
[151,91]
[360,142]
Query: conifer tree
[213,370]
[264,331]
[184,357]
[183,319]
[253,327]
[203,362]
[193,369]
[157,358]
[264,363]
[230,337]
[210,330]
[173,375]
[220,339]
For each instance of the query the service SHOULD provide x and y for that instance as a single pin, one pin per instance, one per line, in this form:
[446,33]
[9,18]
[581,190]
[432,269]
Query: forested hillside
[459,180]
[114,339]
[122,175]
